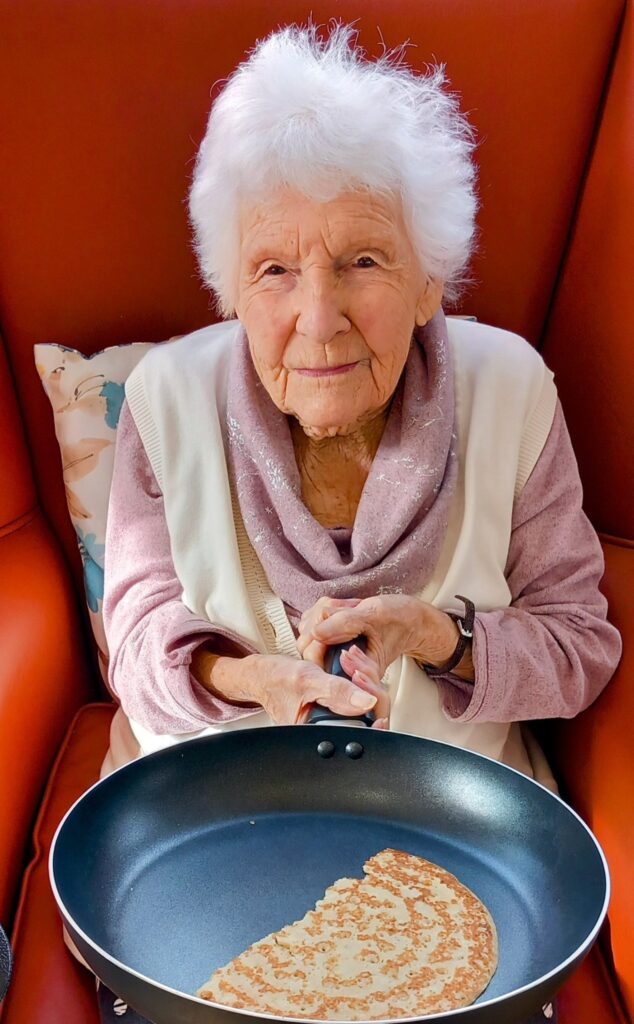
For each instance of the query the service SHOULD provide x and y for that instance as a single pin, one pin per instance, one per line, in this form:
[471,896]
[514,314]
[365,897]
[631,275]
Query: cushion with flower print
[86,394]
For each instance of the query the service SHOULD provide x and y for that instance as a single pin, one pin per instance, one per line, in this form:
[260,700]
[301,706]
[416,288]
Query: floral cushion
[86,394]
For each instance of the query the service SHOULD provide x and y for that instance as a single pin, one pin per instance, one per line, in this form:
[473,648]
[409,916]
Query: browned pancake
[407,940]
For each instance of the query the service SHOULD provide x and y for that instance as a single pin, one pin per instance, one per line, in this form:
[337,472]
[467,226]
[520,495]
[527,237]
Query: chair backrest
[589,343]
[102,106]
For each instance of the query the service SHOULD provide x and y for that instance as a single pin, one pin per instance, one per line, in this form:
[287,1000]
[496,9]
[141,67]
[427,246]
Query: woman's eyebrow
[381,247]
[271,247]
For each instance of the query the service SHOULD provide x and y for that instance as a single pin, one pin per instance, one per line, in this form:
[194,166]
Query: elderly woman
[340,459]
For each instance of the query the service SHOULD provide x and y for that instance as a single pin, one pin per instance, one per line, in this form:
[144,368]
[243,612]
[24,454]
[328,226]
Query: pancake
[406,940]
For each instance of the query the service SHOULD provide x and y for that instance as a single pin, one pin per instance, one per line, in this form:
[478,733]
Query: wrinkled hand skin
[287,687]
[394,624]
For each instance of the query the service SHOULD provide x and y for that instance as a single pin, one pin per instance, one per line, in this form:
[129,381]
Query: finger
[339,603]
[323,608]
[382,706]
[345,698]
[342,624]
[314,651]
[357,660]
[381,723]
[304,639]
[334,602]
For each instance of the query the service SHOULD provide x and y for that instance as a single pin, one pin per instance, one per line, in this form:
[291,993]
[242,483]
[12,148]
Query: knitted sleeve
[552,651]
[151,634]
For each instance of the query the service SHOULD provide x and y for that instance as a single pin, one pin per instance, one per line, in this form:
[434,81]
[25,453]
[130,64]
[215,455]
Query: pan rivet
[325,748]
[354,750]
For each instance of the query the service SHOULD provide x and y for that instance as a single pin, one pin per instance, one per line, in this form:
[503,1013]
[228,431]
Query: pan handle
[332,664]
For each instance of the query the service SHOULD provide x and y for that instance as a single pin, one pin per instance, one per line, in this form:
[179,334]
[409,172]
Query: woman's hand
[393,624]
[286,687]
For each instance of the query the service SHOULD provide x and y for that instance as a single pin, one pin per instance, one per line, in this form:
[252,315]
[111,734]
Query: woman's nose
[321,313]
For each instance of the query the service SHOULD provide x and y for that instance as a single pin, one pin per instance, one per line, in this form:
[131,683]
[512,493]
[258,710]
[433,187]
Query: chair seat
[50,987]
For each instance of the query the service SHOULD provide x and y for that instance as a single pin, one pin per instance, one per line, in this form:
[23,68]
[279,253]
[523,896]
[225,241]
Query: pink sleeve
[151,634]
[552,651]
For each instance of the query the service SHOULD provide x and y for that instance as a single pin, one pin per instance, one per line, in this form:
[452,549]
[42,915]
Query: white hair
[315,116]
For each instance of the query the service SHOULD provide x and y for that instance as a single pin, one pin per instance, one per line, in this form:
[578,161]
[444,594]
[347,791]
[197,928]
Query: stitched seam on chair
[593,141]
[611,984]
[617,542]
[38,846]
[19,522]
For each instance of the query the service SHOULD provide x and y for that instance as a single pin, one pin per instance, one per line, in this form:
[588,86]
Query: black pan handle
[332,664]
[5,964]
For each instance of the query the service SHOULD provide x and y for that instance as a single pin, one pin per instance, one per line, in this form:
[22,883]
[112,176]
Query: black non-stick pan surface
[173,865]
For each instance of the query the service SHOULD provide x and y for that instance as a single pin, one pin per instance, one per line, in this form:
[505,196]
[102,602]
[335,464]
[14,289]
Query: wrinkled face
[329,294]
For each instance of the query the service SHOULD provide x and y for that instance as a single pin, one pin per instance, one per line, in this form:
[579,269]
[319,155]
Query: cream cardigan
[505,403]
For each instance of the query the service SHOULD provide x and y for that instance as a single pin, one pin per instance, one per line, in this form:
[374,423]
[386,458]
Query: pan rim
[577,954]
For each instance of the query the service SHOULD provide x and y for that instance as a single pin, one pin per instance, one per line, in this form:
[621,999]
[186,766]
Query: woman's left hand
[393,624]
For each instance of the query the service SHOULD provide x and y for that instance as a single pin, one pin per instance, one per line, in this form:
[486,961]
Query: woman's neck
[333,470]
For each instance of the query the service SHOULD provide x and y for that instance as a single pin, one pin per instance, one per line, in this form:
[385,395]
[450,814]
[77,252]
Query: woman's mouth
[326,371]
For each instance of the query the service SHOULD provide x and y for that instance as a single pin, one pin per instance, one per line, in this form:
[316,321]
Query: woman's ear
[429,301]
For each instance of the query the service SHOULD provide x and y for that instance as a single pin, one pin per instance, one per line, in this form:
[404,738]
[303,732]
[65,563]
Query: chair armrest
[44,678]
[593,757]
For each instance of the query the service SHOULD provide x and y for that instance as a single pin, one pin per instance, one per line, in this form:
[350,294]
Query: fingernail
[364,679]
[362,700]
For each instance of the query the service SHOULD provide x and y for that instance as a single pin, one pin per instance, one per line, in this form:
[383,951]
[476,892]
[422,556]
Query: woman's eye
[274,270]
[365,261]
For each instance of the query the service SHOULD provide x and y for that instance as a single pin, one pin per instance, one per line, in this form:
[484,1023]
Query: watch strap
[465,624]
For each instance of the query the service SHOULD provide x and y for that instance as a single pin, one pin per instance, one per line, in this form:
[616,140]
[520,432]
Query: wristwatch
[465,625]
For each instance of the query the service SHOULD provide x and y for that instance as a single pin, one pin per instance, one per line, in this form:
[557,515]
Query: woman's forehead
[293,221]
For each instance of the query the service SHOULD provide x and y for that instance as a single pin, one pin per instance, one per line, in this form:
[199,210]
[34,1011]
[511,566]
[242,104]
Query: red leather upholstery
[593,757]
[589,998]
[589,346]
[19,498]
[43,680]
[48,985]
[103,105]
[43,676]
[589,339]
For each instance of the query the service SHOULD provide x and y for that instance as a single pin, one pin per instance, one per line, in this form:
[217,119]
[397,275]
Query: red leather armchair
[101,107]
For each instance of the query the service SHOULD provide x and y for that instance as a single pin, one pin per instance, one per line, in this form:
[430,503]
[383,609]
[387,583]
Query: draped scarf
[403,512]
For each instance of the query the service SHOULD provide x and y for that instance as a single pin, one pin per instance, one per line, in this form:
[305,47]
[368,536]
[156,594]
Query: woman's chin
[319,432]
[319,426]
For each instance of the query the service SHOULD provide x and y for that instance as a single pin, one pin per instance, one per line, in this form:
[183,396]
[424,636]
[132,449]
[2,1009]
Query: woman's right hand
[285,687]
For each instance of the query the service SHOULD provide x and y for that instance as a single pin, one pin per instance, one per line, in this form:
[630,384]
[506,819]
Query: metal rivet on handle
[354,750]
[326,748]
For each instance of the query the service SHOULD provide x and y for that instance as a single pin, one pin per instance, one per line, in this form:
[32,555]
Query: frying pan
[175,863]
[5,963]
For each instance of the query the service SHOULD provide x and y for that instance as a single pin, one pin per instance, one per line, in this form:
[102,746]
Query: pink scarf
[403,512]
